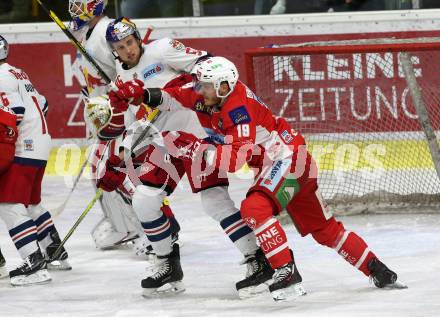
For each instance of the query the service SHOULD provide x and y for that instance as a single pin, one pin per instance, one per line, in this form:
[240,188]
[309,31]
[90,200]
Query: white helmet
[4,48]
[103,120]
[216,70]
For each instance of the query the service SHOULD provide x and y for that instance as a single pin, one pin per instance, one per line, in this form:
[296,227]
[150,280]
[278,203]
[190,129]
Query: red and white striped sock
[273,242]
[354,250]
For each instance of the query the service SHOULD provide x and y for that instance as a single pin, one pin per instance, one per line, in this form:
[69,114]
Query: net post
[420,107]
[250,77]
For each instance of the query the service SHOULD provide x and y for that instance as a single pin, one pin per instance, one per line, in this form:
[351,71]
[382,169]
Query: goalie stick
[75,42]
[99,191]
[55,212]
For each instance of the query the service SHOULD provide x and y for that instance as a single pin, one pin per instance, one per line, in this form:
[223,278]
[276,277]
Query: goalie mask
[216,70]
[104,121]
[4,48]
[82,11]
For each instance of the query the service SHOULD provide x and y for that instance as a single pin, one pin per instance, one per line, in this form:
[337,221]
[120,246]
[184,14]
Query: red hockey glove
[131,91]
[112,178]
[183,145]
[117,102]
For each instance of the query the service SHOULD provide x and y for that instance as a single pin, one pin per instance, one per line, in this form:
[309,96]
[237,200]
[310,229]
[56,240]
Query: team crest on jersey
[28,145]
[239,115]
[251,222]
[153,70]
[178,46]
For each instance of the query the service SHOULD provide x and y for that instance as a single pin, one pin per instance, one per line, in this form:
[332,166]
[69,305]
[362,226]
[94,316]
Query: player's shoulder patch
[178,46]
[239,115]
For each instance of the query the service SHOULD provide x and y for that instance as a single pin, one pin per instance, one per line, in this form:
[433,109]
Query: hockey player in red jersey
[162,63]
[286,175]
[24,150]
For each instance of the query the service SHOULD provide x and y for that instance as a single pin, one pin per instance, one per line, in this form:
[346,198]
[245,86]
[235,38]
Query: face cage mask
[80,16]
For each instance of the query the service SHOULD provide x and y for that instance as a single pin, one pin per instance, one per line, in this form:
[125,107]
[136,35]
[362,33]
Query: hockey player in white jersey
[89,24]
[156,64]
[30,225]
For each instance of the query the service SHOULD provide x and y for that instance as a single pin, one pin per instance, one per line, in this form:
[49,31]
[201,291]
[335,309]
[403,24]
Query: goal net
[370,112]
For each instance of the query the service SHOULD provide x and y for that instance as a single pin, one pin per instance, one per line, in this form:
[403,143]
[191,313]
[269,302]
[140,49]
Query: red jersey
[245,124]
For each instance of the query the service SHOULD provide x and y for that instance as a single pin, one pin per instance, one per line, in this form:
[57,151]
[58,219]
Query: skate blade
[59,265]
[167,289]
[254,291]
[290,293]
[39,277]
[396,285]
[3,272]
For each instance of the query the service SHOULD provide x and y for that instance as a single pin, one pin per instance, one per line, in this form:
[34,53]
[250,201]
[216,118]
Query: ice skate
[56,261]
[287,283]
[167,276]
[32,271]
[382,276]
[258,276]
[3,270]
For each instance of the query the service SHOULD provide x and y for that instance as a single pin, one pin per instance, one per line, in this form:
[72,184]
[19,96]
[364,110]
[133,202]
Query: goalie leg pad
[120,213]
[3,270]
[105,236]
[119,225]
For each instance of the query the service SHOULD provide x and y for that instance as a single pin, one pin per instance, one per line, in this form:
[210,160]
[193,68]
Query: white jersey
[19,95]
[161,61]
[96,45]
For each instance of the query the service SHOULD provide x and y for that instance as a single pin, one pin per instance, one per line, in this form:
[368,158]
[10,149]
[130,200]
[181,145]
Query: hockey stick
[136,143]
[99,191]
[55,212]
[147,35]
[78,45]
[76,224]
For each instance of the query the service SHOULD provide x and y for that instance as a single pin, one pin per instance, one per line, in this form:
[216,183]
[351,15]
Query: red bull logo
[93,81]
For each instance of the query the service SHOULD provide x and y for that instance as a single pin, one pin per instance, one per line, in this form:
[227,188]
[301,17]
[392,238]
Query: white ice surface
[108,283]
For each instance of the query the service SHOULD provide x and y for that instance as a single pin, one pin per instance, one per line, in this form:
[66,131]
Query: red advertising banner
[52,69]
[351,91]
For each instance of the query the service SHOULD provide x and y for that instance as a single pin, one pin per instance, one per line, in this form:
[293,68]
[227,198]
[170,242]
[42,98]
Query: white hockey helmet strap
[216,70]
[4,48]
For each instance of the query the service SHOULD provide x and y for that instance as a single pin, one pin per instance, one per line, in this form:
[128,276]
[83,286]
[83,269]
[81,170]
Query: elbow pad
[153,97]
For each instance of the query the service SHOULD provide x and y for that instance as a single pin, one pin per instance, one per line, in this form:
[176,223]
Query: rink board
[350,156]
